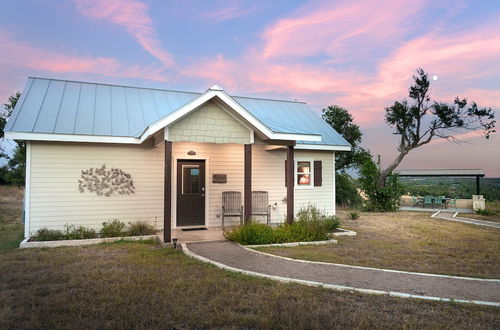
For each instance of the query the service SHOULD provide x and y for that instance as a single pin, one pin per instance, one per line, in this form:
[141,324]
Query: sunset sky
[357,54]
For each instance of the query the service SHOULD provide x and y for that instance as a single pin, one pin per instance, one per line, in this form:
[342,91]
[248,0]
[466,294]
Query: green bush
[332,223]
[310,225]
[140,228]
[353,215]
[380,199]
[113,228]
[45,234]
[485,212]
[80,232]
[346,192]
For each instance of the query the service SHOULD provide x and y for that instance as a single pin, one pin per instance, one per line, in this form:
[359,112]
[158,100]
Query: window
[190,179]
[304,174]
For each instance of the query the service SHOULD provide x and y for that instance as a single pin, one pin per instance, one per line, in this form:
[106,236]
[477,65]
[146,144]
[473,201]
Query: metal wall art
[106,182]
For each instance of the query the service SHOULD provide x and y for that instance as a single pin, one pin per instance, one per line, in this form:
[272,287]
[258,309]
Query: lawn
[410,241]
[491,206]
[139,285]
[11,228]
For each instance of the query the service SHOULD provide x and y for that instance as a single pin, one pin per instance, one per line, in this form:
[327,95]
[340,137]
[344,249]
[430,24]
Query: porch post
[167,194]
[248,183]
[477,185]
[289,184]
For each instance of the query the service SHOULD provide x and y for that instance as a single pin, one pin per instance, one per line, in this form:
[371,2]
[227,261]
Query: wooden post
[167,194]
[248,182]
[290,185]
[477,185]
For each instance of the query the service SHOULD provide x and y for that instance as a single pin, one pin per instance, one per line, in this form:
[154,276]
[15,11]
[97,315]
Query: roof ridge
[116,85]
[161,89]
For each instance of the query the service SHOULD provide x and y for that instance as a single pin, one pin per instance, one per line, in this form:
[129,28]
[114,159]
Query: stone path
[233,257]
[449,216]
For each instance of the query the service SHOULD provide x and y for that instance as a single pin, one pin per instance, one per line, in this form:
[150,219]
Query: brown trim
[248,182]
[289,189]
[167,194]
[318,173]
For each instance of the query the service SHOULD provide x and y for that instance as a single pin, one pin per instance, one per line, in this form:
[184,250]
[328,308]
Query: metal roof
[449,172]
[56,106]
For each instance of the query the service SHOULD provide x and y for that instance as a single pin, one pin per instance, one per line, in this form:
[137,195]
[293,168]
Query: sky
[360,55]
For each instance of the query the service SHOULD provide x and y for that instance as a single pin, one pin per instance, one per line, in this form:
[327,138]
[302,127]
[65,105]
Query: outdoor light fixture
[175,242]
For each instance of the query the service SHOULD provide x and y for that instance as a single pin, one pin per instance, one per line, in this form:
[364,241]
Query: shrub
[353,215]
[80,232]
[485,212]
[346,192]
[251,233]
[332,223]
[380,199]
[45,234]
[140,228]
[113,228]
[310,225]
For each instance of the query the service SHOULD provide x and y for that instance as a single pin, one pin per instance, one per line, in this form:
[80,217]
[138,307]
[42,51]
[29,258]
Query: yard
[493,210]
[138,285]
[410,241]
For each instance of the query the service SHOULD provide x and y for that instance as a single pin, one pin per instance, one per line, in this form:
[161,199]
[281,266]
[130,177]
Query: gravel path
[232,255]
[449,216]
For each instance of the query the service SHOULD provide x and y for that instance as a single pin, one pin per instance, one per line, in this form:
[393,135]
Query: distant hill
[452,187]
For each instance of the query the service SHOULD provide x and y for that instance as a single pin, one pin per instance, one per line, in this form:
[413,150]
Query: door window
[191,183]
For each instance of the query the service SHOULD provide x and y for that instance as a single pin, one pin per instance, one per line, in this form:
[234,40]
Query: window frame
[311,173]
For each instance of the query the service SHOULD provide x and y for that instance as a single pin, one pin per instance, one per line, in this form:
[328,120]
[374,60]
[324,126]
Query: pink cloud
[332,28]
[230,10]
[133,16]
[14,53]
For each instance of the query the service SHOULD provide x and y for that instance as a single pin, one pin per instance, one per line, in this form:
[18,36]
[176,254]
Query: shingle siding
[209,124]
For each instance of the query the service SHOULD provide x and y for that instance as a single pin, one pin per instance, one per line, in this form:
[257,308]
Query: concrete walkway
[450,216]
[233,257]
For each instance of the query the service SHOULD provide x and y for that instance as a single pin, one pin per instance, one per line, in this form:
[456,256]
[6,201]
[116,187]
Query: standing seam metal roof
[71,107]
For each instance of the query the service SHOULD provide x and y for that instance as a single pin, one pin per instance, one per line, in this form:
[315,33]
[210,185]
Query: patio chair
[439,201]
[231,206]
[260,205]
[428,200]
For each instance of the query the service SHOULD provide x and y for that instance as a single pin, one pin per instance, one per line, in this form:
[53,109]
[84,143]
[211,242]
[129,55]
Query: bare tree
[419,121]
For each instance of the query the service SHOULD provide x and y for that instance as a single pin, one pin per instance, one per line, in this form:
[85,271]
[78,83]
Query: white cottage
[97,152]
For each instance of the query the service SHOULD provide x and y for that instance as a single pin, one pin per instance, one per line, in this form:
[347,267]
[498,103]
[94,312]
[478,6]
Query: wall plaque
[219,178]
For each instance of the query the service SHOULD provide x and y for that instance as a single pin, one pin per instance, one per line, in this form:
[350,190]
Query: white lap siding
[323,197]
[55,198]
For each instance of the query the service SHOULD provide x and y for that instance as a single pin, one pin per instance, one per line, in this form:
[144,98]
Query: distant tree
[4,115]
[341,121]
[16,167]
[380,198]
[419,121]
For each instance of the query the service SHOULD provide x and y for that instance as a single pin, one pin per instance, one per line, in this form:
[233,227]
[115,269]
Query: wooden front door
[190,193]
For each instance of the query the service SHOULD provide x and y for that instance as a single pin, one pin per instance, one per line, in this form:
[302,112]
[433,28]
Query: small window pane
[303,167]
[303,179]
[190,180]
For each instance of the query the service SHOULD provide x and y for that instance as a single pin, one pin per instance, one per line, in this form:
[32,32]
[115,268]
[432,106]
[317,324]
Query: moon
[435,77]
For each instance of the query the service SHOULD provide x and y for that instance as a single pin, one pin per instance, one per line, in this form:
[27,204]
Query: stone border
[344,232]
[26,244]
[330,241]
[283,279]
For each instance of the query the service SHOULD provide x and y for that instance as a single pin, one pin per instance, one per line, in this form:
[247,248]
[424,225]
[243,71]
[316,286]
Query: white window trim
[296,170]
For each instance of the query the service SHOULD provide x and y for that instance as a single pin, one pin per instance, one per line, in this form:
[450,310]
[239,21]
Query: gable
[209,123]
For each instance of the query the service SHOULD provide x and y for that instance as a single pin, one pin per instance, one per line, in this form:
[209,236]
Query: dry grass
[493,206]
[410,241]
[137,285]
[10,216]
